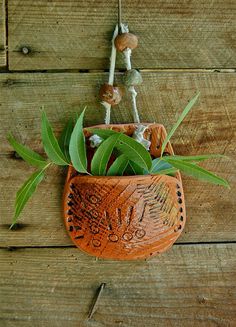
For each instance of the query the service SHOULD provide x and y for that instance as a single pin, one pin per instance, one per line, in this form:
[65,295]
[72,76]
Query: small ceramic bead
[110,94]
[126,40]
[132,77]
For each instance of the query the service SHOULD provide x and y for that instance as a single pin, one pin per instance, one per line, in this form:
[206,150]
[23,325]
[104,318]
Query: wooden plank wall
[190,286]
[185,47]
[3,57]
[76,34]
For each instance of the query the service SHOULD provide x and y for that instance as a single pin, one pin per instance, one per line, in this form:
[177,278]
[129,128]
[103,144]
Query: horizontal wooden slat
[162,96]
[56,287]
[209,128]
[3,60]
[75,34]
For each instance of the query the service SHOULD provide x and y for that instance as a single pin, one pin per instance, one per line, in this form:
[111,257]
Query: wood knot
[201,299]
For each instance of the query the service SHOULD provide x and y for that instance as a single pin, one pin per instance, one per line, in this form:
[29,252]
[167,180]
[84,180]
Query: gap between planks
[15,248]
[5,70]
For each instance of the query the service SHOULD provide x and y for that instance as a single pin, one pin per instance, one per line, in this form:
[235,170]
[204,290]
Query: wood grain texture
[3,59]
[75,34]
[209,128]
[56,287]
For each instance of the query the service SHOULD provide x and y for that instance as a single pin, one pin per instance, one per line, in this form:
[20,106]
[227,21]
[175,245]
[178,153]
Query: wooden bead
[126,41]
[110,94]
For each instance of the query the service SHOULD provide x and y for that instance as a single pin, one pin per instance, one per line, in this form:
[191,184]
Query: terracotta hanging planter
[125,217]
[114,215]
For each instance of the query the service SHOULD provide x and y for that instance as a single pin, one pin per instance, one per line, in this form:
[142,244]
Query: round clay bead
[110,94]
[132,77]
[126,40]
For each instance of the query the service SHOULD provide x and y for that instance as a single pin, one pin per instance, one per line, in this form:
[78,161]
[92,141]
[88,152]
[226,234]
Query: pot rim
[124,177]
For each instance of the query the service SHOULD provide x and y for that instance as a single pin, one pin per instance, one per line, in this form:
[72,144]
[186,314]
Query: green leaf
[134,151]
[169,171]
[25,192]
[77,146]
[128,146]
[179,121]
[197,158]
[103,154]
[50,143]
[103,133]
[27,154]
[118,167]
[129,171]
[196,171]
[64,140]
[135,169]
[158,164]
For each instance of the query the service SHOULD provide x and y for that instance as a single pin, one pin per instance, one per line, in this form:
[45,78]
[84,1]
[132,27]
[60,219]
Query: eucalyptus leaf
[128,146]
[103,133]
[134,151]
[27,154]
[129,171]
[25,192]
[64,140]
[134,169]
[196,171]
[103,154]
[197,158]
[77,146]
[118,166]
[158,164]
[169,171]
[50,143]
[179,121]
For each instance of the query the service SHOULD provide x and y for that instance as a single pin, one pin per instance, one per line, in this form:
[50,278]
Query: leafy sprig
[27,154]
[117,155]
[179,121]
[50,143]
[77,146]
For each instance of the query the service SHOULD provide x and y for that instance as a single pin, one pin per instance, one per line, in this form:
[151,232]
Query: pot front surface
[124,218]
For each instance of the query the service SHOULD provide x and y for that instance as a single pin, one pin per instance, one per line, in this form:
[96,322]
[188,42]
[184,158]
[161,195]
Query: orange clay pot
[125,217]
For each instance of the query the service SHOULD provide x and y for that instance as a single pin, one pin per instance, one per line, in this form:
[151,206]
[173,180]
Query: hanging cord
[111,75]
[119,14]
[127,59]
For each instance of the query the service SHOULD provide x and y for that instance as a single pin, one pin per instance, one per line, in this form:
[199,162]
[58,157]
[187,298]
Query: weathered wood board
[209,128]
[183,47]
[3,59]
[75,34]
[56,287]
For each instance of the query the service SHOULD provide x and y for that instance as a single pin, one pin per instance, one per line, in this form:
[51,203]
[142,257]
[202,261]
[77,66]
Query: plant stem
[48,165]
[127,59]
[111,75]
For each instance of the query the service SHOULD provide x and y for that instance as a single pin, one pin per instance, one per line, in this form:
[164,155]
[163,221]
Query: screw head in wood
[25,50]
[126,41]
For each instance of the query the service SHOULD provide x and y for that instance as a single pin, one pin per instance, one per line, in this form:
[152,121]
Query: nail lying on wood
[96,299]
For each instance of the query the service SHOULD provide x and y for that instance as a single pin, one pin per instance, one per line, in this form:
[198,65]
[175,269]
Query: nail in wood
[95,303]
